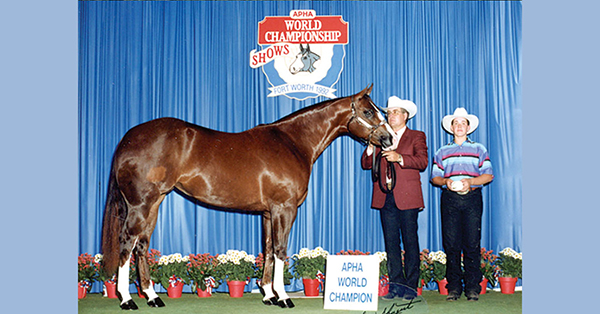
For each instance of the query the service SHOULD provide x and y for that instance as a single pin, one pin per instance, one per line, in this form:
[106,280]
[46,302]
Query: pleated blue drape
[144,60]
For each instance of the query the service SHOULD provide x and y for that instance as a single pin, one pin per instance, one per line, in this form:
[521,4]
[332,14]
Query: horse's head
[367,122]
[304,61]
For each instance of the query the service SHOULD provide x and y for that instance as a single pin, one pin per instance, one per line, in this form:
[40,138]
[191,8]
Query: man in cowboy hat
[397,193]
[461,168]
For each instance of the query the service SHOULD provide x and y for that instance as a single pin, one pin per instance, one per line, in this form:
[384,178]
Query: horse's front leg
[283,217]
[266,282]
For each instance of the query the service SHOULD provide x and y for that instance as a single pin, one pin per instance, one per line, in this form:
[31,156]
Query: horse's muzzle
[386,141]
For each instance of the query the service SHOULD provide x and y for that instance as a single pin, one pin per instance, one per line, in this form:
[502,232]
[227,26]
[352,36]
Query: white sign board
[351,282]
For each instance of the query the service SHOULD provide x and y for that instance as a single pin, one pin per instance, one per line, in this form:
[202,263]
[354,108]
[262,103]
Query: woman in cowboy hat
[461,168]
[399,200]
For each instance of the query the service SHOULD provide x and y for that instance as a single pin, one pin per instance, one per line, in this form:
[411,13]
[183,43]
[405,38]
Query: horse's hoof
[271,301]
[129,305]
[287,303]
[156,302]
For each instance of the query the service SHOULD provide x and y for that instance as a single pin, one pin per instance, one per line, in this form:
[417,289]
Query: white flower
[304,252]
[438,256]
[98,258]
[381,255]
[222,259]
[250,258]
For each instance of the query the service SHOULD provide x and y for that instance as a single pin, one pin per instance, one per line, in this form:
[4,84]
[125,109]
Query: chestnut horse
[265,169]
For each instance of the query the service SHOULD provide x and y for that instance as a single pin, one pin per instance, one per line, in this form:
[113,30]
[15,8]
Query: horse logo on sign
[301,54]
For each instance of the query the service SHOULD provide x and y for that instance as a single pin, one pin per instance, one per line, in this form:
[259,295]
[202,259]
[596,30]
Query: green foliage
[307,263]
[439,265]
[153,264]
[200,268]
[235,266]
[439,271]
[172,267]
[510,263]
[87,268]
[488,266]
[425,268]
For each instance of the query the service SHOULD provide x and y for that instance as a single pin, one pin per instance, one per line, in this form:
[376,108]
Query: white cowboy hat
[395,102]
[460,112]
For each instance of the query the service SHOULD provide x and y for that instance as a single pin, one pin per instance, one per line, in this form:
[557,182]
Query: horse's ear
[367,90]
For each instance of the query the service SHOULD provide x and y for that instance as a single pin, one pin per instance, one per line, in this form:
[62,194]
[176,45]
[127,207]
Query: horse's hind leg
[123,278]
[142,257]
[138,227]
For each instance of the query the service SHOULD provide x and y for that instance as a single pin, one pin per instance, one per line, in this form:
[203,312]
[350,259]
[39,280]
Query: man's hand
[392,156]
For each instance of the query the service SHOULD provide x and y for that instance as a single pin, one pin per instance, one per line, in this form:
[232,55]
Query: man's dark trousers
[397,222]
[461,232]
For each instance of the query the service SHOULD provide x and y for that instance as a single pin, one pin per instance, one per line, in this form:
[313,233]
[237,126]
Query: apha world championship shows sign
[301,54]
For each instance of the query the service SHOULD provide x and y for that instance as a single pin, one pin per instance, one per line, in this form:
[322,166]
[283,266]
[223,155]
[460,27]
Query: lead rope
[389,170]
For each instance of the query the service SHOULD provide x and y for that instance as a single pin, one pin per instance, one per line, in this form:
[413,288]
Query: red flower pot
[139,291]
[81,291]
[175,291]
[483,284]
[420,289]
[111,289]
[236,288]
[507,284]
[442,286]
[311,287]
[384,288]
[205,293]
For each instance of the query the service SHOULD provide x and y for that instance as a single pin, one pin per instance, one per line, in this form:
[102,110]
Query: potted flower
[153,257]
[384,279]
[510,263]
[425,270]
[310,266]
[489,270]
[87,273]
[259,265]
[173,274]
[236,267]
[109,281]
[202,269]
[439,270]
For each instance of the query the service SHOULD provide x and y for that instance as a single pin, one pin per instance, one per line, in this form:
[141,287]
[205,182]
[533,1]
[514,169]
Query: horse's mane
[302,111]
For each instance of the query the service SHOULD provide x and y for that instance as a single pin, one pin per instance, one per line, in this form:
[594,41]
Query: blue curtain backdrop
[190,60]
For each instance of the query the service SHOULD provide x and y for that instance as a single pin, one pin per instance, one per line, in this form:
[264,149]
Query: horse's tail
[115,213]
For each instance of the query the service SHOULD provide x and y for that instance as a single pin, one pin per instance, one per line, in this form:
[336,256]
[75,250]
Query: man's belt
[469,190]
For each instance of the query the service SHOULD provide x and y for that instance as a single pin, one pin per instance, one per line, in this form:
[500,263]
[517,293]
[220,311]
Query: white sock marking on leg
[123,282]
[268,289]
[150,292]
[278,285]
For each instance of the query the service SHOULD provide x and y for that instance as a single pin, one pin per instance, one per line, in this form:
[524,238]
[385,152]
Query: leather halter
[372,128]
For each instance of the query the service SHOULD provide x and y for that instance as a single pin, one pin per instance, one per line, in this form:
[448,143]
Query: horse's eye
[368,114]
